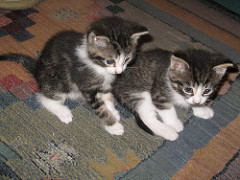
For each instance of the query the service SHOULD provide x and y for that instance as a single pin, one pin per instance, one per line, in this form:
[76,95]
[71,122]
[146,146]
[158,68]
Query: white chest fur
[177,98]
[108,78]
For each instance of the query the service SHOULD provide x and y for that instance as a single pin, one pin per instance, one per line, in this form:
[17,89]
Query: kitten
[158,81]
[83,66]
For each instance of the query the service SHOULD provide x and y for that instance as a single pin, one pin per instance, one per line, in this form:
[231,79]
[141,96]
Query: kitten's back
[142,72]
[62,42]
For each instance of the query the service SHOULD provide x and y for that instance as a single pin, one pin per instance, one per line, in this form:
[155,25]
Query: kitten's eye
[207,91]
[127,59]
[188,90]
[110,61]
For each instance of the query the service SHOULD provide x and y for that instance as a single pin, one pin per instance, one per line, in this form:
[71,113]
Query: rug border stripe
[187,29]
[185,140]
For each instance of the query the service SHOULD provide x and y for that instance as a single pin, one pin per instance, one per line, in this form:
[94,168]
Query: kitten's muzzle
[196,101]
[118,70]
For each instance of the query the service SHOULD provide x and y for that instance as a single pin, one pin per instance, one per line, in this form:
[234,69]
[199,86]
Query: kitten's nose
[196,101]
[118,70]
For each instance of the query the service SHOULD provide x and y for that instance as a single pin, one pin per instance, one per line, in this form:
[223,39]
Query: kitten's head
[112,42]
[195,74]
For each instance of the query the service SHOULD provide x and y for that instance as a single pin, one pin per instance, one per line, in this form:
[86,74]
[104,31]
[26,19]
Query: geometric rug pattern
[34,144]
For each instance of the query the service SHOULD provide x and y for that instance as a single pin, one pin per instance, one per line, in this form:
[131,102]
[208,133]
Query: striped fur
[75,65]
[159,80]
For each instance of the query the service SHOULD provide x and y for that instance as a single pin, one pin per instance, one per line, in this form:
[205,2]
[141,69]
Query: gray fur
[154,72]
[73,65]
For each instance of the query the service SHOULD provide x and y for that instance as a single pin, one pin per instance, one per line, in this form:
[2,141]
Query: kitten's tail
[27,62]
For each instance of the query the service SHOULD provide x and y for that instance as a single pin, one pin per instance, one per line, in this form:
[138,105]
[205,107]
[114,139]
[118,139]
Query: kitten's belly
[74,94]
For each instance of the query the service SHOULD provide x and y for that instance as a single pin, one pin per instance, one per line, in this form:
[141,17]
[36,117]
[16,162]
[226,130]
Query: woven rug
[34,144]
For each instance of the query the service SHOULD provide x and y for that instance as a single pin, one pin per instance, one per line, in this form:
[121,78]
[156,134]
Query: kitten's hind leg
[169,117]
[147,112]
[56,107]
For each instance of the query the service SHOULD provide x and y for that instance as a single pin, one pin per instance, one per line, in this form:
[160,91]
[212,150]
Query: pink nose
[118,71]
[196,101]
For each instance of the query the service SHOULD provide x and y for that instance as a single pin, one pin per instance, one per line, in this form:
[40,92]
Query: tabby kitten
[83,66]
[159,80]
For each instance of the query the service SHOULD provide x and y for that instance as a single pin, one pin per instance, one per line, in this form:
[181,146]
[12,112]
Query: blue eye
[188,90]
[110,61]
[126,60]
[207,91]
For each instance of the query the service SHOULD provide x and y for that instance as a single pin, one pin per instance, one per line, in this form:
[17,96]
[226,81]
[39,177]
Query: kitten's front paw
[203,112]
[65,116]
[116,114]
[115,129]
[177,125]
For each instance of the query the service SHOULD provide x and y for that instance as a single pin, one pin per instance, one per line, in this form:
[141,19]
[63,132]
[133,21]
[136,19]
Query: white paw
[177,125]
[203,112]
[56,107]
[167,132]
[65,115]
[115,129]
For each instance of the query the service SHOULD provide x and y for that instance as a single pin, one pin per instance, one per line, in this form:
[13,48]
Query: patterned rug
[34,144]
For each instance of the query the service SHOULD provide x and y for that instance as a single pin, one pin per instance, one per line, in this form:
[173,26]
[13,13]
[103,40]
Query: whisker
[130,69]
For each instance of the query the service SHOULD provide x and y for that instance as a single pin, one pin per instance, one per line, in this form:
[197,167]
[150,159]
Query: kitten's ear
[221,64]
[101,41]
[222,68]
[178,64]
[138,31]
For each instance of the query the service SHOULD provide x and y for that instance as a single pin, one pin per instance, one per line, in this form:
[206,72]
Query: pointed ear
[101,41]
[222,68]
[138,31]
[136,36]
[178,64]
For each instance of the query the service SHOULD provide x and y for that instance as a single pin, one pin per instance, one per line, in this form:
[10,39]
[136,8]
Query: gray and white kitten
[160,80]
[83,66]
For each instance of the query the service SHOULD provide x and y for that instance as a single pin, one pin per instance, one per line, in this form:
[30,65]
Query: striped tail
[27,62]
